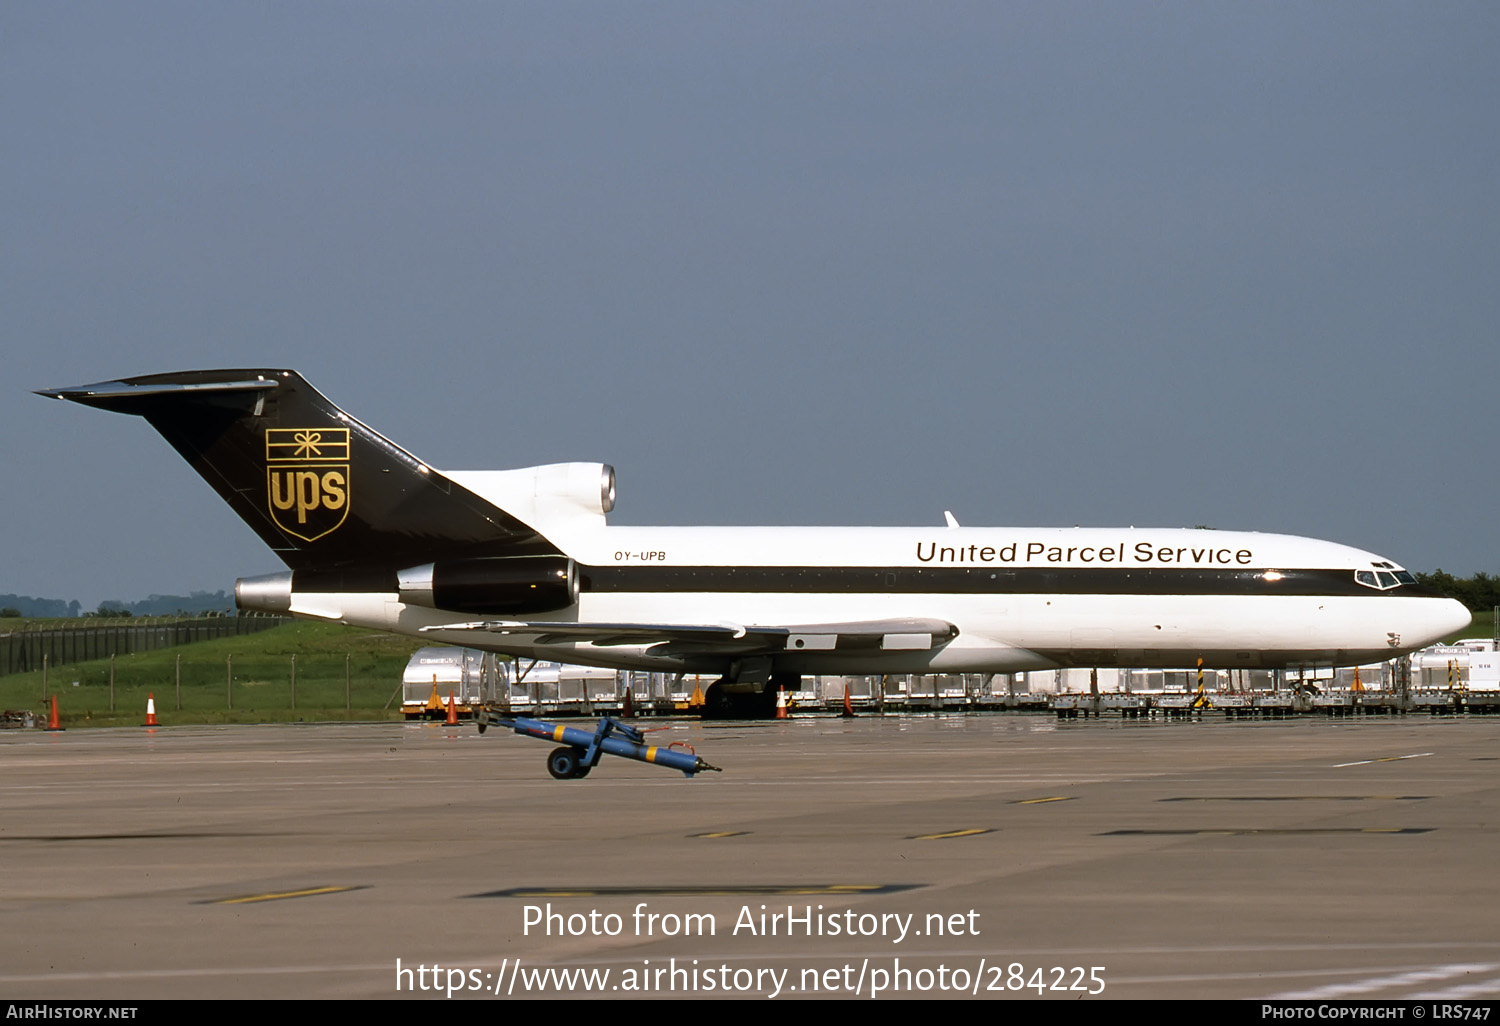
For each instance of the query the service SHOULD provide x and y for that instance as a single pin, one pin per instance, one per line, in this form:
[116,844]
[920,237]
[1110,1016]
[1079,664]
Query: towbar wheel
[565,763]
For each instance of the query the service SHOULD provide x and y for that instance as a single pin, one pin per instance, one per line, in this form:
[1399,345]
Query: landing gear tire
[723,704]
[564,764]
[717,703]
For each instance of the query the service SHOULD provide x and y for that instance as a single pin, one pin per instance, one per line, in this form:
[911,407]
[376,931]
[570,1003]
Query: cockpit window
[1383,580]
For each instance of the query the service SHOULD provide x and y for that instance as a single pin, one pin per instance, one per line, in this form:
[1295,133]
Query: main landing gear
[745,704]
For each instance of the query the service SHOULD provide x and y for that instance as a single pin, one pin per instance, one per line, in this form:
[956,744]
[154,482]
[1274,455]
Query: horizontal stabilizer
[122,396]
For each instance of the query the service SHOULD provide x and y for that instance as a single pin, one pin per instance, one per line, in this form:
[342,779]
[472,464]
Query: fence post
[44,677]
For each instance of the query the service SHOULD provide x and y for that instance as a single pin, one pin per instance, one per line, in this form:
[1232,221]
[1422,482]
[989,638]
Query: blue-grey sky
[790,262]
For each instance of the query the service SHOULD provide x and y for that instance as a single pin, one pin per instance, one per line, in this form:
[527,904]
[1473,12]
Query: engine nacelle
[552,497]
[516,585]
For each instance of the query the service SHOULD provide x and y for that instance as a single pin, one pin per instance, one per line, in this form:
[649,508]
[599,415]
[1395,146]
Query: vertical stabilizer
[320,488]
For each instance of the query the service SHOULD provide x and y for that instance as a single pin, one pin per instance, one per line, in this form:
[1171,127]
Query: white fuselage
[1021,598]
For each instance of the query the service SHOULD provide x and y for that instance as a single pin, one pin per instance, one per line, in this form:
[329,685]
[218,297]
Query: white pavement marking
[1393,758]
[1374,983]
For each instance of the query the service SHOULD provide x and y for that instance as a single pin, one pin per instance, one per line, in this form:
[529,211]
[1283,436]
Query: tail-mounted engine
[516,585]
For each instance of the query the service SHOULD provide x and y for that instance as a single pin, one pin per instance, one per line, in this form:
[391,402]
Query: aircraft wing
[729,638]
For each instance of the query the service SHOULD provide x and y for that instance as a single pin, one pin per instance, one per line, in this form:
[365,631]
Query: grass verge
[245,679]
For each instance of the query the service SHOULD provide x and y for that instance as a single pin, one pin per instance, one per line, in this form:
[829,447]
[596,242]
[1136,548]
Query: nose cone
[1438,618]
[1456,618]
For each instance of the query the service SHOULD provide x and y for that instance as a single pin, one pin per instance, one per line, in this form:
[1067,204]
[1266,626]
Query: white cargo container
[470,676]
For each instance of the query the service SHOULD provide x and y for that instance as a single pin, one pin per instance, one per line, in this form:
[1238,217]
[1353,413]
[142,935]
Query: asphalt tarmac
[974,857]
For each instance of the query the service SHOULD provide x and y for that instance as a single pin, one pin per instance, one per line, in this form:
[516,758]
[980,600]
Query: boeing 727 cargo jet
[523,562]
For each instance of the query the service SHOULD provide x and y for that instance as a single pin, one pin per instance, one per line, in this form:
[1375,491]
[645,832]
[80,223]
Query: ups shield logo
[307,480]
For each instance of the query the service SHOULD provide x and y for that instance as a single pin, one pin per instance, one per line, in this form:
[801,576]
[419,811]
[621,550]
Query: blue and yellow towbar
[582,750]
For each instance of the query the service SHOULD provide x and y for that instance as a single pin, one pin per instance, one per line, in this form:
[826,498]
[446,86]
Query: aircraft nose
[1434,620]
[1454,617]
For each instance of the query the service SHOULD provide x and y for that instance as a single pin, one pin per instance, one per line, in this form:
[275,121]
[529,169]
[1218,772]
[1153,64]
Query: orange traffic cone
[628,709]
[781,703]
[848,709]
[452,720]
[151,710]
[53,723]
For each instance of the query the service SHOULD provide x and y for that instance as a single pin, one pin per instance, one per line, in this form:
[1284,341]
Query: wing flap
[915,634]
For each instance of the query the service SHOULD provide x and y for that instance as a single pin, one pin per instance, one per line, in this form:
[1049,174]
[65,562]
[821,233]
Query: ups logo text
[307,480]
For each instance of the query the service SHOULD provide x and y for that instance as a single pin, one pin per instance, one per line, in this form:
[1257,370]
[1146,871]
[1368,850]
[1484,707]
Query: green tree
[1479,593]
